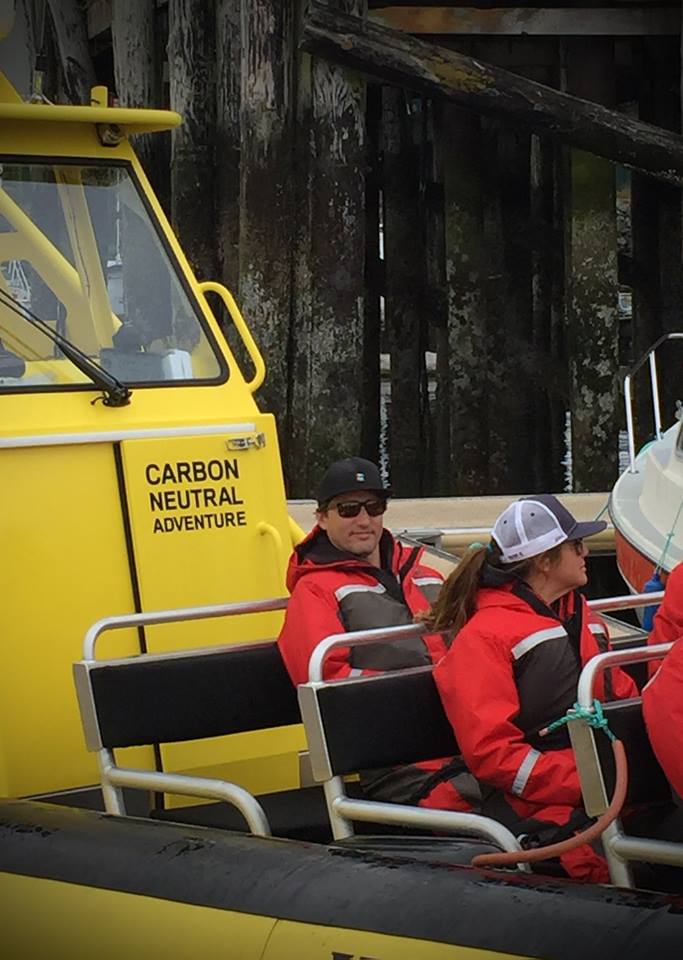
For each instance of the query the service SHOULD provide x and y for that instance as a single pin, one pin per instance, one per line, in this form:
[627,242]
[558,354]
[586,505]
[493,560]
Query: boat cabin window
[679,442]
[80,254]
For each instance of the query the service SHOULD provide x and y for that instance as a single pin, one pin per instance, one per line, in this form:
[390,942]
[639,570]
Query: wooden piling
[191,64]
[549,398]
[512,362]
[327,343]
[266,193]
[657,241]
[592,309]
[138,74]
[436,456]
[463,357]
[78,74]
[374,279]
[405,286]
[227,170]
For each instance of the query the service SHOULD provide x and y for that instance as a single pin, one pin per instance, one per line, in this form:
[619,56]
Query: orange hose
[509,858]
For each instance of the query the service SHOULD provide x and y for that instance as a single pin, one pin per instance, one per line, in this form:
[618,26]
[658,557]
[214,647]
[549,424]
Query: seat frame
[114,778]
[619,848]
[377,695]
[343,809]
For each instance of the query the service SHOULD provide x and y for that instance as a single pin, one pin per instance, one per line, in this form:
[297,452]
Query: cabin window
[81,255]
[679,442]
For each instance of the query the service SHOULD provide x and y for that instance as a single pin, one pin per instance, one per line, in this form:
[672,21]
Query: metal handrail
[355,639]
[176,616]
[205,787]
[630,601]
[614,658]
[212,286]
[451,821]
[647,357]
[410,630]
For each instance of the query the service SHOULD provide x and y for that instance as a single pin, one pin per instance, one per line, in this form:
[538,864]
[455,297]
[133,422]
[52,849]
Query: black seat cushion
[192,695]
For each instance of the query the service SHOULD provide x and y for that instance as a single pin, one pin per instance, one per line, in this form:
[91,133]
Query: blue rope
[593,716]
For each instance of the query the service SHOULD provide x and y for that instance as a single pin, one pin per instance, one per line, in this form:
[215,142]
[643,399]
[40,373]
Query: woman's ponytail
[457,598]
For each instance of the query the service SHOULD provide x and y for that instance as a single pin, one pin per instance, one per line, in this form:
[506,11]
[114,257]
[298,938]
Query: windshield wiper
[116,394]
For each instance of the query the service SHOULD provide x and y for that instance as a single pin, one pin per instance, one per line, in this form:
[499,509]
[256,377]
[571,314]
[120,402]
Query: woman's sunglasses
[351,508]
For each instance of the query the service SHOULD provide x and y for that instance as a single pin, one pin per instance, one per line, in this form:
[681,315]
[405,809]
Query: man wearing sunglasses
[351,574]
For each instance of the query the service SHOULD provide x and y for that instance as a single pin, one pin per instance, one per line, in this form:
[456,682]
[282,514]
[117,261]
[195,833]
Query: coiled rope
[594,717]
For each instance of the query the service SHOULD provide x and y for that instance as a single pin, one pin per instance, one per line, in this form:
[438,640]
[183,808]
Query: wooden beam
[507,21]
[99,17]
[398,58]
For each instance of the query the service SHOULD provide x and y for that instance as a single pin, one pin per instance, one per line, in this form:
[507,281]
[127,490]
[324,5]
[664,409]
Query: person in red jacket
[663,695]
[668,621]
[522,635]
[351,574]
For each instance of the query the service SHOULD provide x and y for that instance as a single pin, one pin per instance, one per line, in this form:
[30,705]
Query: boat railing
[614,658]
[647,781]
[650,358]
[179,615]
[410,630]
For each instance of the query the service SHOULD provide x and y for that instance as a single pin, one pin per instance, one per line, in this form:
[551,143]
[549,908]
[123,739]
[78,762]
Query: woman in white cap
[522,634]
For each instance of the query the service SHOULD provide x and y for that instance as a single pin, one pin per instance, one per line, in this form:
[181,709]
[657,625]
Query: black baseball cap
[350,475]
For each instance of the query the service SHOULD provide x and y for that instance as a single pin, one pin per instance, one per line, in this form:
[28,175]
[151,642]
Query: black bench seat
[191,695]
[373,722]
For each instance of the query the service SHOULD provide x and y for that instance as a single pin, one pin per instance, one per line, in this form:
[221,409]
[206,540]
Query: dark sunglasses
[578,545]
[351,508]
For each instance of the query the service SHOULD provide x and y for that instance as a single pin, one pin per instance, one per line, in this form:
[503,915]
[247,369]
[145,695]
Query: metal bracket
[256,442]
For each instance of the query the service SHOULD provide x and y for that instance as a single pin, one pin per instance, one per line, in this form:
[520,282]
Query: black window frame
[224,369]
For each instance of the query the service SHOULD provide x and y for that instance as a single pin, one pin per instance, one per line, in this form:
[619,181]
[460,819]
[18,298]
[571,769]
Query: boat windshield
[79,249]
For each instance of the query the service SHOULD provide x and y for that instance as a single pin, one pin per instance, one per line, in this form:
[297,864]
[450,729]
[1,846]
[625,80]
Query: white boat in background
[646,504]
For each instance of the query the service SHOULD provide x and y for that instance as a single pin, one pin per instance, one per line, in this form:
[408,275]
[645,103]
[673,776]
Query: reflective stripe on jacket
[335,592]
[511,671]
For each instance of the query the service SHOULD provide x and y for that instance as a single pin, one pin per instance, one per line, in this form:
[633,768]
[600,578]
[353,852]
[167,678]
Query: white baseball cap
[532,525]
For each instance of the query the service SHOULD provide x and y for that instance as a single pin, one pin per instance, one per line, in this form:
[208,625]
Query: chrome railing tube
[654,386]
[630,432]
[614,658]
[176,616]
[410,630]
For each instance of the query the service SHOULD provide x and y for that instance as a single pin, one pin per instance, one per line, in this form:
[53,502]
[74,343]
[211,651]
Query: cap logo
[360,477]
